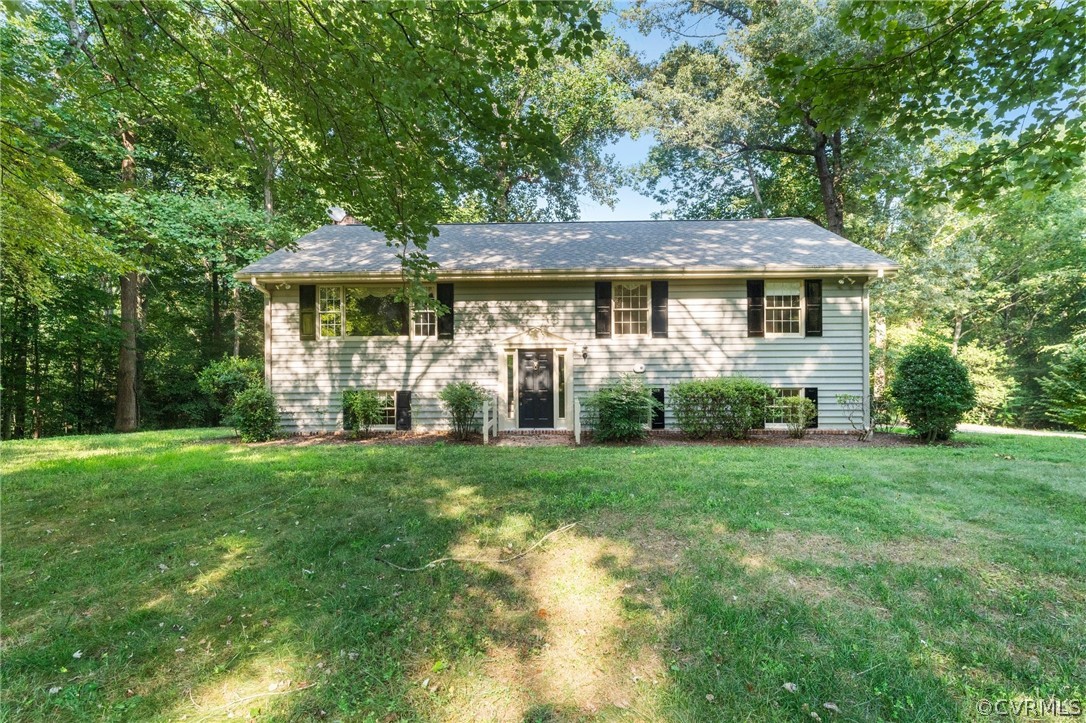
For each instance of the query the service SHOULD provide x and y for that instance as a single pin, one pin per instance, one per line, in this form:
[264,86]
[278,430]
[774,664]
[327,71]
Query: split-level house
[541,314]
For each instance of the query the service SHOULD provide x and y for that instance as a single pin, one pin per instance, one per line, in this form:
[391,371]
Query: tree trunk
[235,295]
[126,419]
[269,185]
[754,186]
[216,316]
[827,184]
[957,334]
[37,433]
[17,395]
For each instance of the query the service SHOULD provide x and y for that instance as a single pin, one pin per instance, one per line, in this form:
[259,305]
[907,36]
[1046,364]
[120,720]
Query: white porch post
[576,420]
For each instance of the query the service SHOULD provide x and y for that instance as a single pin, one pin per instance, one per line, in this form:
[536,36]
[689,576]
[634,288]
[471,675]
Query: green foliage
[1065,385]
[1039,124]
[463,401]
[254,414]
[620,410]
[853,406]
[989,372]
[885,413]
[798,413]
[224,379]
[933,390]
[729,406]
[362,408]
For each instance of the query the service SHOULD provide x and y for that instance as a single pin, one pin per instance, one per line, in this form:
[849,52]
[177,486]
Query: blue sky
[631,205]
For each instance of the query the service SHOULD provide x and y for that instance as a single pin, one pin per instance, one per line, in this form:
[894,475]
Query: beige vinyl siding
[707,337]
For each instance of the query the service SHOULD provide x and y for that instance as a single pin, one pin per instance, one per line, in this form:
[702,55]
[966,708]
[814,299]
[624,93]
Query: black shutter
[403,410]
[755,307]
[603,309]
[658,412]
[812,289]
[659,309]
[812,394]
[405,318]
[307,312]
[445,321]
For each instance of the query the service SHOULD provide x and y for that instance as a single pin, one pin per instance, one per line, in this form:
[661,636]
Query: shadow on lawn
[250,585]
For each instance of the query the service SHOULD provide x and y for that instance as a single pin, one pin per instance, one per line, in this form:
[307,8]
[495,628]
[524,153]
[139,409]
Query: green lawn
[175,574]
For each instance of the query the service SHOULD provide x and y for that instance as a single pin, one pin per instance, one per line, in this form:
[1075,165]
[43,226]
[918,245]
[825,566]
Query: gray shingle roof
[672,246]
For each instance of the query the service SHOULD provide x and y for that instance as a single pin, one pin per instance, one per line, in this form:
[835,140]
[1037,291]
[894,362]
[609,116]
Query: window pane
[425,323]
[561,386]
[631,308]
[370,313]
[388,408]
[330,310]
[782,307]
[776,413]
[509,380]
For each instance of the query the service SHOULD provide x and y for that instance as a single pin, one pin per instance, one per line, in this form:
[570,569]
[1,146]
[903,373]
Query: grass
[176,575]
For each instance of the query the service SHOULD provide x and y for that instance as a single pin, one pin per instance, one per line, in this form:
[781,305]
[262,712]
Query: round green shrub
[621,410]
[799,412]
[254,415]
[463,401]
[933,390]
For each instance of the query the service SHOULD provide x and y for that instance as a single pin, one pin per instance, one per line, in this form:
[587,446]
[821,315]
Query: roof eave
[770,271]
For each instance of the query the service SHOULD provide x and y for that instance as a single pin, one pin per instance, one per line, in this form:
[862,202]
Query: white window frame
[802,308]
[320,312]
[392,396]
[341,289]
[648,310]
[416,313]
[778,393]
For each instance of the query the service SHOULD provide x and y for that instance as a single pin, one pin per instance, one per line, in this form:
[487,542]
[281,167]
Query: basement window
[777,413]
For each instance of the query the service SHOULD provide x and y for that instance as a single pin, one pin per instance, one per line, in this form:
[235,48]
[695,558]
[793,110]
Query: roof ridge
[617,220]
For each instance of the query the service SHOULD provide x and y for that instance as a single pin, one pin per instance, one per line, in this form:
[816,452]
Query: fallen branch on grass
[499,560]
[246,699]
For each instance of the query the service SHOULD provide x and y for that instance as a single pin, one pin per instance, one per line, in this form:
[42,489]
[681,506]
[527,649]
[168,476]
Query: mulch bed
[656,438]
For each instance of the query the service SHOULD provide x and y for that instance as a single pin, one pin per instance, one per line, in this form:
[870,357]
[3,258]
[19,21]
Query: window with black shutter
[403,409]
[603,309]
[812,290]
[755,307]
[658,411]
[812,394]
[659,309]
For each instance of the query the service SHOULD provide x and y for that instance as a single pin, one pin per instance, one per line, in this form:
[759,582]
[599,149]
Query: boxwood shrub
[933,390]
[254,415]
[728,406]
[463,401]
[621,410]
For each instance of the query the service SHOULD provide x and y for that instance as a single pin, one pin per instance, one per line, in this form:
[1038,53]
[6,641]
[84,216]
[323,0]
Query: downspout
[267,330]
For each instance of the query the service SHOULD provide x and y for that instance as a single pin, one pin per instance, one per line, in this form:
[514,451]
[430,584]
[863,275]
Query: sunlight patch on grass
[587,655]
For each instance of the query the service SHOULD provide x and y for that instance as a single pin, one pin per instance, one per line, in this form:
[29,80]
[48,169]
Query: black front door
[536,389]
